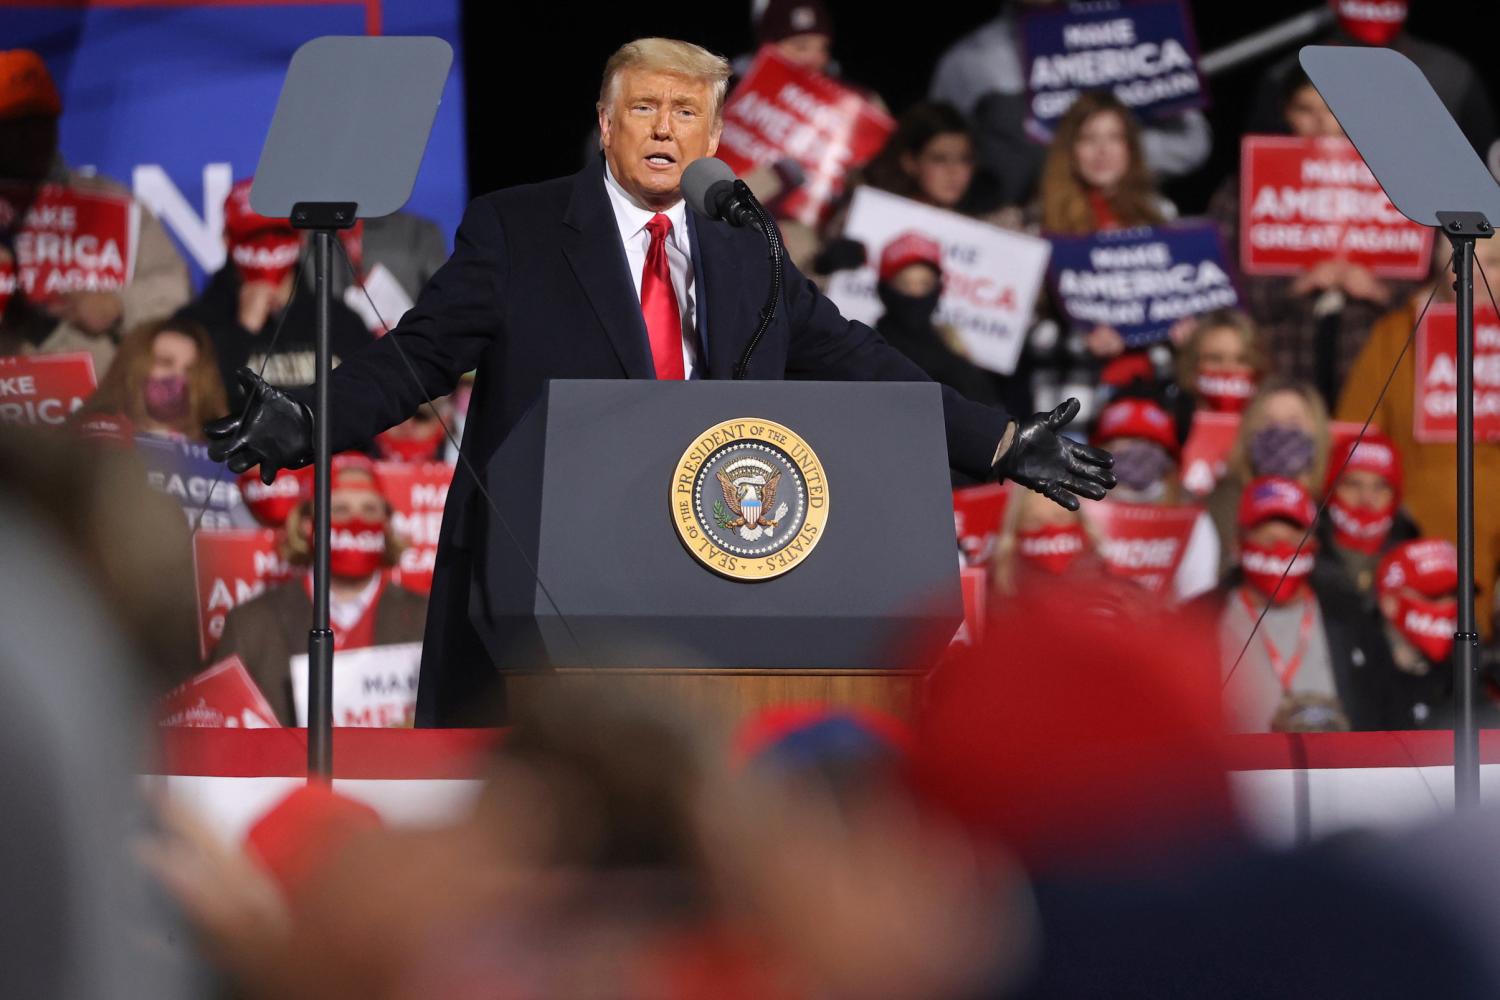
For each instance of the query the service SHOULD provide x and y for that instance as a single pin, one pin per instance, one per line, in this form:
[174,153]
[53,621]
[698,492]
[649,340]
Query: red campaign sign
[1141,542]
[1206,450]
[222,697]
[44,388]
[974,582]
[780,111]
[1306,201]
[417,492]
[231,567]
[1435,413]
[977,512]
[68,240]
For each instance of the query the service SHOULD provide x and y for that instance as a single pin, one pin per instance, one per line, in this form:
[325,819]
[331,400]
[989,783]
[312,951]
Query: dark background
[532,81]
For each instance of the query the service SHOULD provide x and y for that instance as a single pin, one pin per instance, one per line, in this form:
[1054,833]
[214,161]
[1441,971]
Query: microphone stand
[777,251]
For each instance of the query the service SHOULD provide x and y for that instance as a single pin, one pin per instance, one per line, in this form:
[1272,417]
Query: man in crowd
[605,275]
[248,297]
[84,319]
[1417,589]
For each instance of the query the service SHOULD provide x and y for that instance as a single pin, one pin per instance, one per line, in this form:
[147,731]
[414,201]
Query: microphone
[712,190]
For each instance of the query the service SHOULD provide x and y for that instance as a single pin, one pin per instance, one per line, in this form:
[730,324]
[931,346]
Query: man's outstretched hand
[271,430]
[1041,459]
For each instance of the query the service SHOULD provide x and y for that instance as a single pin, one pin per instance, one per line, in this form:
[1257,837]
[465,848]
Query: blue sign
[1144,51]
[207,491]
[1141,281]
[174,101]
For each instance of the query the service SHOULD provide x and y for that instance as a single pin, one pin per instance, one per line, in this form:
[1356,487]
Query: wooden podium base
[734,694]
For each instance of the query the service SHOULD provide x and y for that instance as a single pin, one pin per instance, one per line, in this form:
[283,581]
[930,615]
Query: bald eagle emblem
[749,506]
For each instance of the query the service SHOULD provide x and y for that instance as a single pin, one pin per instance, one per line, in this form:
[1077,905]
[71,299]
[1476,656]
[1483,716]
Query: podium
[738,544]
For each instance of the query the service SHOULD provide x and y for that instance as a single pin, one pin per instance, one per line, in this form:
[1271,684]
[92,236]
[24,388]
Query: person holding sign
[85,258]
[366,608]
[164,381]
[1315,319]
[605,274]
[1095,178]
[1143,438]
[1425,383]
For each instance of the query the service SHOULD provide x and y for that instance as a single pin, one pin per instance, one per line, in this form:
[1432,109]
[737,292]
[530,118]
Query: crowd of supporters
[1324,570]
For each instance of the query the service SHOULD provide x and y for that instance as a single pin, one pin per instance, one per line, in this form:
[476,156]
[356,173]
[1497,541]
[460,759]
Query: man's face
[810,50]
[1307,115]
[657,125]
[27,147]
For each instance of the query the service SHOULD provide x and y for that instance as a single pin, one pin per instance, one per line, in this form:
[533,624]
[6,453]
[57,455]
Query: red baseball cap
[26,87]
[1276,496]
[1137,418]
[1427,565]
[242,222]
[910,247]
[1375,453]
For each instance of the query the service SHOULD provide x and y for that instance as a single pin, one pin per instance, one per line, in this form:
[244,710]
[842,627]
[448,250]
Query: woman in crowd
[1041,543]
[1315,323]
[1143,438]
[1284,433]
[1095,178]
[1426,463]
[1416,587]
[367,609]
[1364,519]
[929,158]
[1219,364]
[164,381]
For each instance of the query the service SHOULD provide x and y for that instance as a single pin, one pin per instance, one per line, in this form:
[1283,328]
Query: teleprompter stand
[1434,177]
[345,144]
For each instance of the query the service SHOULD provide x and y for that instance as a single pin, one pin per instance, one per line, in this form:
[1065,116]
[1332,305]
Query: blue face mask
[1281,451]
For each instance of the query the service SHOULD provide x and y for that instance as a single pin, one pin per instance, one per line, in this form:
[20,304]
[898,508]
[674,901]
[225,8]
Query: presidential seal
[749,499]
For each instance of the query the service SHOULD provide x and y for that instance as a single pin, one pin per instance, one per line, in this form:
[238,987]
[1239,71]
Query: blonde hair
[667,55]
[1254,419]
[1003,562]
[1220,319]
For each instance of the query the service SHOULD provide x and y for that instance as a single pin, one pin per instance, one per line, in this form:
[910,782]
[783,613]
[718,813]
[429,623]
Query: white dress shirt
[632,218]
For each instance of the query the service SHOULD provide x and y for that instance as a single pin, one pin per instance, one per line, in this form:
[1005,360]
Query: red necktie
[659,303]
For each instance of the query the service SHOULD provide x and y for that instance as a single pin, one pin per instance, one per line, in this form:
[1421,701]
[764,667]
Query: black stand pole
[323,220]
[1462,229]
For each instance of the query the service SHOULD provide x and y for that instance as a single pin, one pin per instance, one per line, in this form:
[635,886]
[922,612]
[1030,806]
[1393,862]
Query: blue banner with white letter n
[174,99]
[1142,281]
[1143,51]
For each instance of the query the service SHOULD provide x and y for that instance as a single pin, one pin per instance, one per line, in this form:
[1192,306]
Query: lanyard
[1285,671]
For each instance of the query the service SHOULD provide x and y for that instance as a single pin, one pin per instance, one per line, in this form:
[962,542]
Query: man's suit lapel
[592,246]
[722,317]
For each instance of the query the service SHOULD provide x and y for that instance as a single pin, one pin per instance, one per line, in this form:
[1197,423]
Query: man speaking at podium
[605,274]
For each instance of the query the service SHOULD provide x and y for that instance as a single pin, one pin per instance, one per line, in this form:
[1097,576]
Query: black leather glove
[1041,459]
[271,430]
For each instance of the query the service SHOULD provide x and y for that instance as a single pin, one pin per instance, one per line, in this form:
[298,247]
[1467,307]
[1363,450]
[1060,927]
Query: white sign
[372,687]
[990,275]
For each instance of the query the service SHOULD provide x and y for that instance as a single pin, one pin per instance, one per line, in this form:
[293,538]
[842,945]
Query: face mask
[909,312]
[356,548]
[421,448]
[1360,529]
[1428,625]
[1374,22]
[1281,451]
[1263,566]
[1140,465]
[167,398]
[1052,548]
[1225,391]
[270,505]
[267,257]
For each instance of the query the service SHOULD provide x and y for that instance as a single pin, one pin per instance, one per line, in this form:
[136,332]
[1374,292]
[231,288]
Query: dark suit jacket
[538,288]
[267,631]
